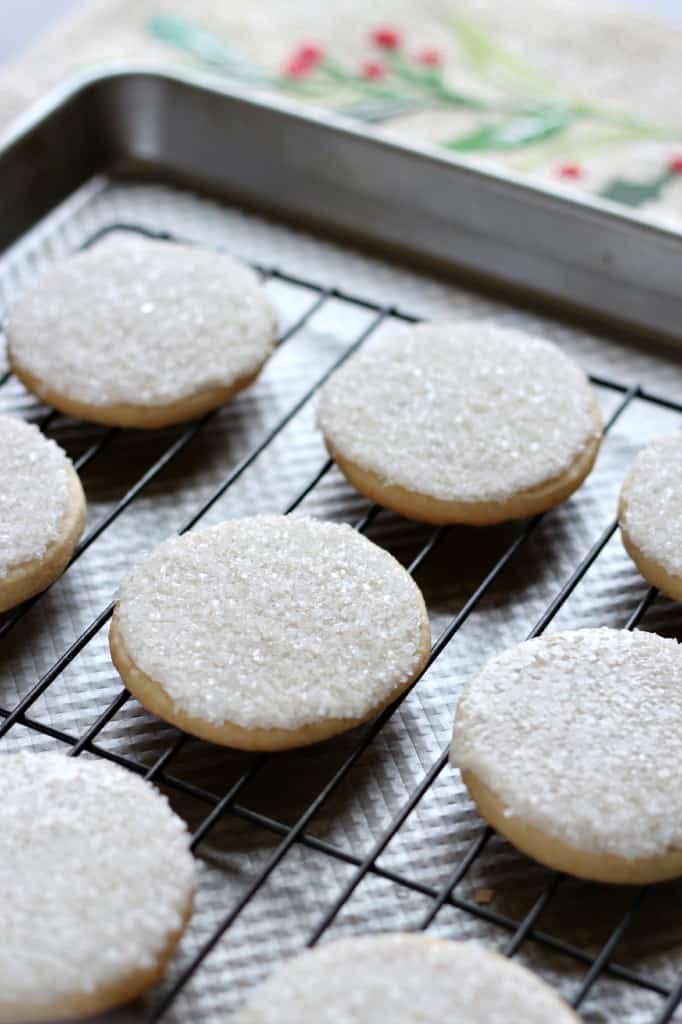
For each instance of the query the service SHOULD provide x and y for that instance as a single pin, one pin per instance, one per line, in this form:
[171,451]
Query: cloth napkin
[573,94]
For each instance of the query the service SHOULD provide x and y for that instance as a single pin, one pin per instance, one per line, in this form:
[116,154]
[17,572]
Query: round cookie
[42,511]
[139,333]
[404,979]
[97,882]
[269,633]
[461,423]
[650,513]
[569,745]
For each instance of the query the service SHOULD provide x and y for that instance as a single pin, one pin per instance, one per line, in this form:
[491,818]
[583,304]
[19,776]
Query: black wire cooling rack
[220,807]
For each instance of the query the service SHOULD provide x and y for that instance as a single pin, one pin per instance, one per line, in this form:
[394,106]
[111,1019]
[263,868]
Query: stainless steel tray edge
[417,201]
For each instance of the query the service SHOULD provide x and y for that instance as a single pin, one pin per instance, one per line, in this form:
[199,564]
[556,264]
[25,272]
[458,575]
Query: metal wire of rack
[229,805]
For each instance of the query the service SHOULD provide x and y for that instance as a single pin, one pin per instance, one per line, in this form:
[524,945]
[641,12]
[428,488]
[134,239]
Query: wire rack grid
[229,805]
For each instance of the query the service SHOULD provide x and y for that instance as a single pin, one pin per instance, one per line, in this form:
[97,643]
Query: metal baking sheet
[419,201]
[58,190]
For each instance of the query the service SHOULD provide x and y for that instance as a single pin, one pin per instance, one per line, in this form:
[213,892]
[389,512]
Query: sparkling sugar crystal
[579,734]
[95,873]
[143,322]
[272,622]
[460,412]
[403,979]
[33,492]
[653,510]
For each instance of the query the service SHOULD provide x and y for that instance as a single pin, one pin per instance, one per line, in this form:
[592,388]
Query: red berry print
[570,171]
[373,70]
[303,60]
[430,58]
[386,38]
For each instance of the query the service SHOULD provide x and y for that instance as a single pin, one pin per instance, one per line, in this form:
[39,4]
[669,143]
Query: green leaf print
[515,132]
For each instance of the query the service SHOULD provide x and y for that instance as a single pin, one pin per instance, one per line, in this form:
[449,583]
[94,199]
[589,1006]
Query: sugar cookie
[404,979]
[135,333]
[97,882]
[269,633]
[42,511]
[650,514]
[461,423]
[570,746]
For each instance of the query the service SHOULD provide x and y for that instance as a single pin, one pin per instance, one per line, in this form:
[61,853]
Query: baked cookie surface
[650,514]
[404,979]
[139,333]
[461,423]
[569,746]
[97,883]
[269,632]
[42,511]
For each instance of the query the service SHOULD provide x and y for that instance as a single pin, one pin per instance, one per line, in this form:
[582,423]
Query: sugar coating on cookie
[142,322]
[404,979]
[466,412]
[96,876]
[272,622]
[577,735]
[651,503]
[33,495]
